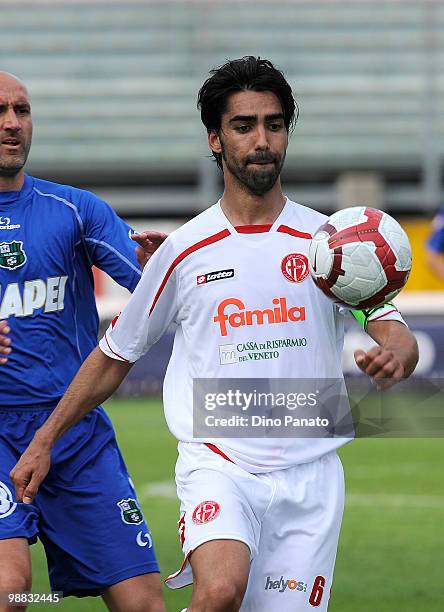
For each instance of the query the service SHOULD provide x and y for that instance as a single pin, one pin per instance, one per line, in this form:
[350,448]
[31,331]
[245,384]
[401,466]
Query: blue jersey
[436,240]
[50,236]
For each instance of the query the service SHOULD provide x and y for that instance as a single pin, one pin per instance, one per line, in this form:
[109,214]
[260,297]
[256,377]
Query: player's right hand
[30,471]
[5,342]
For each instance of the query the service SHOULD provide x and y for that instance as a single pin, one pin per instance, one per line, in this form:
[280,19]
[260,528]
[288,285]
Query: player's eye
[243,129]
[275,127]
[23,110]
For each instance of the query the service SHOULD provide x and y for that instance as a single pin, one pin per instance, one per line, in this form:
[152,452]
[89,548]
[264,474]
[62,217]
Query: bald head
[15,128]
[9,80]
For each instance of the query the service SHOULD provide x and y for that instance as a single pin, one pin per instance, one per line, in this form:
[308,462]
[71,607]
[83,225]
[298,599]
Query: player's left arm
[151,309]
[394,358]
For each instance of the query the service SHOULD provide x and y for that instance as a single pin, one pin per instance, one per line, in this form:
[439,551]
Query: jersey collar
[10,198]
[255,229]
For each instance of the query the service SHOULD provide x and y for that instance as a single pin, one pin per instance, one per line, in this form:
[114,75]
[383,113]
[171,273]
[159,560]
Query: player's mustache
[264,158]
[12,135]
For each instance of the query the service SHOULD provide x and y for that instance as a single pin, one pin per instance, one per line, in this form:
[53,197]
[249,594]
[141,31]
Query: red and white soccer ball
[360,257]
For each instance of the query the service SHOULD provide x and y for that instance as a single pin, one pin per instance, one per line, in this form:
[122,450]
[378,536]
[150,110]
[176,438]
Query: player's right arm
[95,382]
[148,314]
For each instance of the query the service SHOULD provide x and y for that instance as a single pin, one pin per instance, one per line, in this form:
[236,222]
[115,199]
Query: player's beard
[10,165]
[257,180]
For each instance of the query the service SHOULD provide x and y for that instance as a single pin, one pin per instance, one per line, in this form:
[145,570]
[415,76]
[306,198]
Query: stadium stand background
[114,86]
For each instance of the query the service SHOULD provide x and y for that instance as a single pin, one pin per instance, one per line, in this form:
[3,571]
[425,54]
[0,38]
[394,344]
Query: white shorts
[290,519]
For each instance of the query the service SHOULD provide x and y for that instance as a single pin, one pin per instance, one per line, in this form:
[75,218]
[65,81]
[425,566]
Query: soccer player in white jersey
[260,517]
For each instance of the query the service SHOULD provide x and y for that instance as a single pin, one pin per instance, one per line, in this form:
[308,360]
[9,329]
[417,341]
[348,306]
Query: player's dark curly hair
[246,73]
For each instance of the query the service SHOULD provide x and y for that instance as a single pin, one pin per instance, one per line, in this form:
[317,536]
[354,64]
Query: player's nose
[261,138]
[11,120]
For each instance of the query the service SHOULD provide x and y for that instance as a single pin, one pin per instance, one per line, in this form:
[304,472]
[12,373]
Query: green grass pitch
[391,551]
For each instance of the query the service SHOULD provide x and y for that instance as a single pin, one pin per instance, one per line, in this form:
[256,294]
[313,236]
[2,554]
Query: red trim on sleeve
[284,229]
[253,229]
[216,450]
[384,314]
[114,352]
[195,247]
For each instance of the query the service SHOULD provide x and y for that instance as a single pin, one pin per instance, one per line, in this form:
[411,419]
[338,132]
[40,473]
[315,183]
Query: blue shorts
[86,512]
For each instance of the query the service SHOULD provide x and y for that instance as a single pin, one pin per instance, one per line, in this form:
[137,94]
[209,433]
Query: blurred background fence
[114,86]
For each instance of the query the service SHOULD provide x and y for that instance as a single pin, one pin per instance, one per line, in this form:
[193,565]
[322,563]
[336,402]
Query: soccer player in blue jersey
[435,245]
[87,514]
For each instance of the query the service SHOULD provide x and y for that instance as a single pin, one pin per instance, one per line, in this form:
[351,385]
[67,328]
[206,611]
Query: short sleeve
[108,242]
[150,311]
[385,312]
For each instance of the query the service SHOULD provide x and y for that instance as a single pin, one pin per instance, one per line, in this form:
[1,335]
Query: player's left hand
[5,342]
[381,365]
[148,242]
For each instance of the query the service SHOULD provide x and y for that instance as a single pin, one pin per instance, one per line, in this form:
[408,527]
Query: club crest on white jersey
[205,512]
[295,267]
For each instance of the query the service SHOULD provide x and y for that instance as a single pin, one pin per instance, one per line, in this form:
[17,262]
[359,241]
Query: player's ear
[214,141]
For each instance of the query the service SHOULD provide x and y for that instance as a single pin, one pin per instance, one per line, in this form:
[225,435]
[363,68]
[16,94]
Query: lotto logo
[205,512]
[202,279]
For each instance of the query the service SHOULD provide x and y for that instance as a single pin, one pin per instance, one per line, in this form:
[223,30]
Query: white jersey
[245,307]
